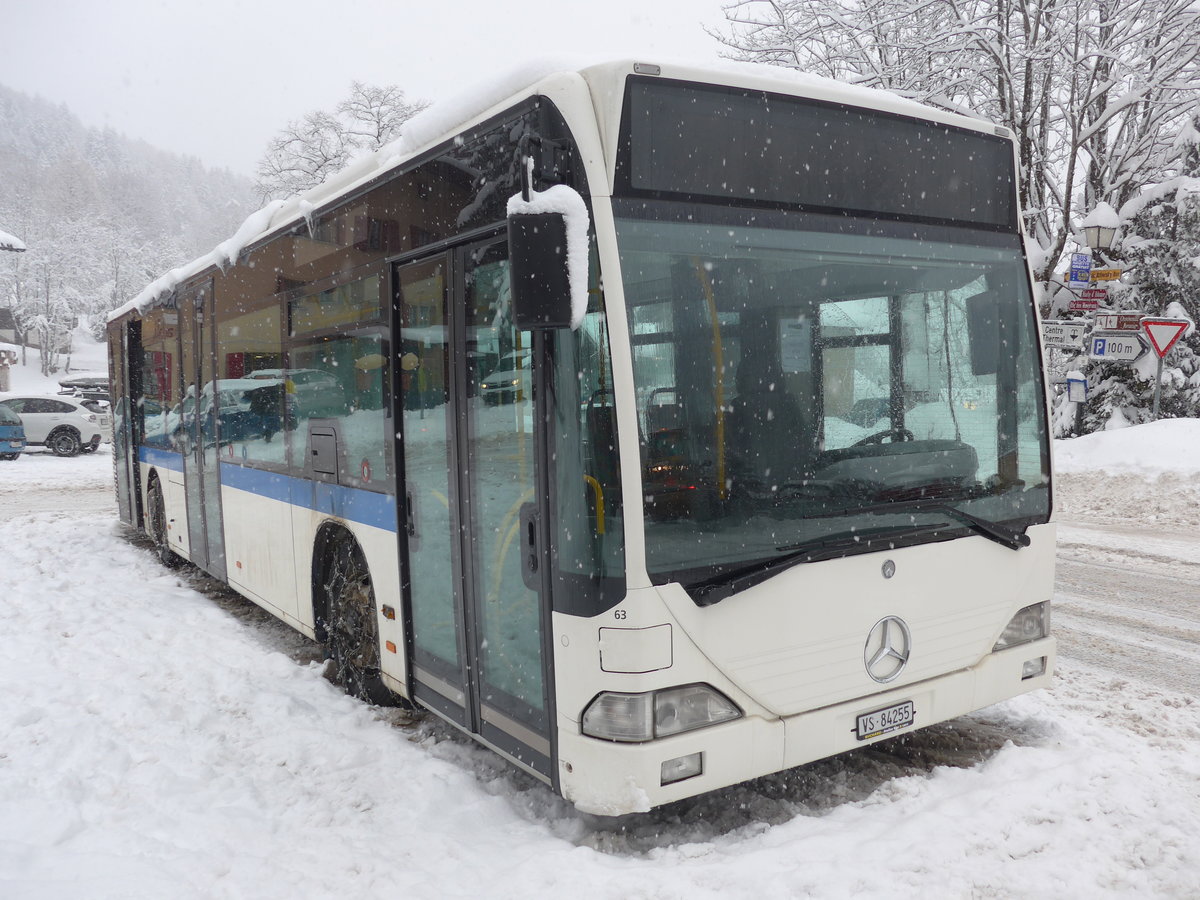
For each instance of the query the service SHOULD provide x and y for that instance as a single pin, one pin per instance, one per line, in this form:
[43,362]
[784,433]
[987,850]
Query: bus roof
[440,121]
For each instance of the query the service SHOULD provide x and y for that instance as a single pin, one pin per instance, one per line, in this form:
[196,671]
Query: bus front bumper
[611,778]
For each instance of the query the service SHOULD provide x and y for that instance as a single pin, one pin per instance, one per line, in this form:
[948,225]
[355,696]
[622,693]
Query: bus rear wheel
[351,625]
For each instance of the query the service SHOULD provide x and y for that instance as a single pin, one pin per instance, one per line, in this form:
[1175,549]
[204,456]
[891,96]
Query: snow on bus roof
[433,124]
[422,129]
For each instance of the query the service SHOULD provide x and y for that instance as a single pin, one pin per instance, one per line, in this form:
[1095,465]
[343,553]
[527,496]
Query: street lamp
[1100,227]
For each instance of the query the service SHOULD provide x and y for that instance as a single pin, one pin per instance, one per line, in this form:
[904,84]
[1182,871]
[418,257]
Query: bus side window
[337,368]
[588,517]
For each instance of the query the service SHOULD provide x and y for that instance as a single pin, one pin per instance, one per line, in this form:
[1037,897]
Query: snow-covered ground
[163,738]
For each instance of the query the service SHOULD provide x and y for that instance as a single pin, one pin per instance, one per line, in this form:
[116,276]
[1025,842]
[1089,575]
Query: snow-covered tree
[101,216]
[1093,89]
[302,155]
[374,115]
[1161,249]
[310,149]
[1096,92]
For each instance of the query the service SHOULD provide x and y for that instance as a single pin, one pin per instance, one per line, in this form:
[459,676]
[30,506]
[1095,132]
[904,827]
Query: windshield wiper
[710,590]
[1001,534]
[716,588]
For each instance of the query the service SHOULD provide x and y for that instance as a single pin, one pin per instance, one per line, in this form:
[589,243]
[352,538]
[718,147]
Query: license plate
[882,721]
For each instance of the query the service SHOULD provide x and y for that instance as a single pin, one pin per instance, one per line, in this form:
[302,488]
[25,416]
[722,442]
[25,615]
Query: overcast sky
[217,78]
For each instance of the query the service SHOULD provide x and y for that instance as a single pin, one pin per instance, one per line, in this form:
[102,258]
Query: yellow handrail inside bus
[719,369]
[598,493]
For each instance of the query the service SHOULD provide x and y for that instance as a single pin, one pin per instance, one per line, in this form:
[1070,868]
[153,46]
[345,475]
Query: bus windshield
[812,386]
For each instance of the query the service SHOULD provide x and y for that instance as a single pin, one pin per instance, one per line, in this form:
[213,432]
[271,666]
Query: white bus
[767,481]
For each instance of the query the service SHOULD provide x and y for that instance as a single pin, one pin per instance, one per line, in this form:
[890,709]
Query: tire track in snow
[1129,620]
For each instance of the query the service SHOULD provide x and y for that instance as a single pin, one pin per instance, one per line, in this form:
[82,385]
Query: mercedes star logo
[889,645]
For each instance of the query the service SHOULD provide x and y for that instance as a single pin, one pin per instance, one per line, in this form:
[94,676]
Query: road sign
[1106,274]
[1100,294]
[1081,264]
[1116,346]
[1163,333]
[1063,334]
[1118,321]
[1078,304]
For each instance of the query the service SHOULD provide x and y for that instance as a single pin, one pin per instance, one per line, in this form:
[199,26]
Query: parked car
[313,392]
[67,425]
[510,380]
[12,434]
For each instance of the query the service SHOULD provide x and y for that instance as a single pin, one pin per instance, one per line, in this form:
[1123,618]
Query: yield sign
[1163,333]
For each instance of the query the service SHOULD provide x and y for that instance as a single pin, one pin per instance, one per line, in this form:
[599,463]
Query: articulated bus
[732,457]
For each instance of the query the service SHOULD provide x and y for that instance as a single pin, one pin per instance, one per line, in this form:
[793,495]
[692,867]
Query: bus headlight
[615,716]
[1030,624]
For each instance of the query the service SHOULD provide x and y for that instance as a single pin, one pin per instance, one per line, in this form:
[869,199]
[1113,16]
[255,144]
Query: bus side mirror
[537,253]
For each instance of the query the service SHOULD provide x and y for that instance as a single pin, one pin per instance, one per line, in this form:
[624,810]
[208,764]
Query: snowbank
[1148,451]
[1144,474]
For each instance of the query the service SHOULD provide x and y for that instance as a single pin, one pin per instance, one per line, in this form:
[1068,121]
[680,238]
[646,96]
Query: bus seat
[765,431]
[662,415]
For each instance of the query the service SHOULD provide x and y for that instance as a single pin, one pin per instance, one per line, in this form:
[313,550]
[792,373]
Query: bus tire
[350,622]
[156,522]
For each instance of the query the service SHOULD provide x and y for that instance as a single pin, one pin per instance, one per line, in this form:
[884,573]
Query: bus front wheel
[350,624]
[158,528]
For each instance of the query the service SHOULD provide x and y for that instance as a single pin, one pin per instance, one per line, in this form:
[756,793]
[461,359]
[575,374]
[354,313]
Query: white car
[510,381]
[315,393]
[67,425]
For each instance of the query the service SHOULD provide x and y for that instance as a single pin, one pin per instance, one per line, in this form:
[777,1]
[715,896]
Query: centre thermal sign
[1063,334]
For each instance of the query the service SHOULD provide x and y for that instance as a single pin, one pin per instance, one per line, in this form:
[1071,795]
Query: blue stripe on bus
[163,458]
[365,507]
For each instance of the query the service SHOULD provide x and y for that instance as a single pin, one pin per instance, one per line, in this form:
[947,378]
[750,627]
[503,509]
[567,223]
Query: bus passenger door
[475,569]
[124,364]
[200,423]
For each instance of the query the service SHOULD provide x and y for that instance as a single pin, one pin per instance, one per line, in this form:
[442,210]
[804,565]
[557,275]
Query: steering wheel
[896,434]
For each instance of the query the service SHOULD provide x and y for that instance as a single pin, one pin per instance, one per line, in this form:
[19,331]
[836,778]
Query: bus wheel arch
[345,614]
